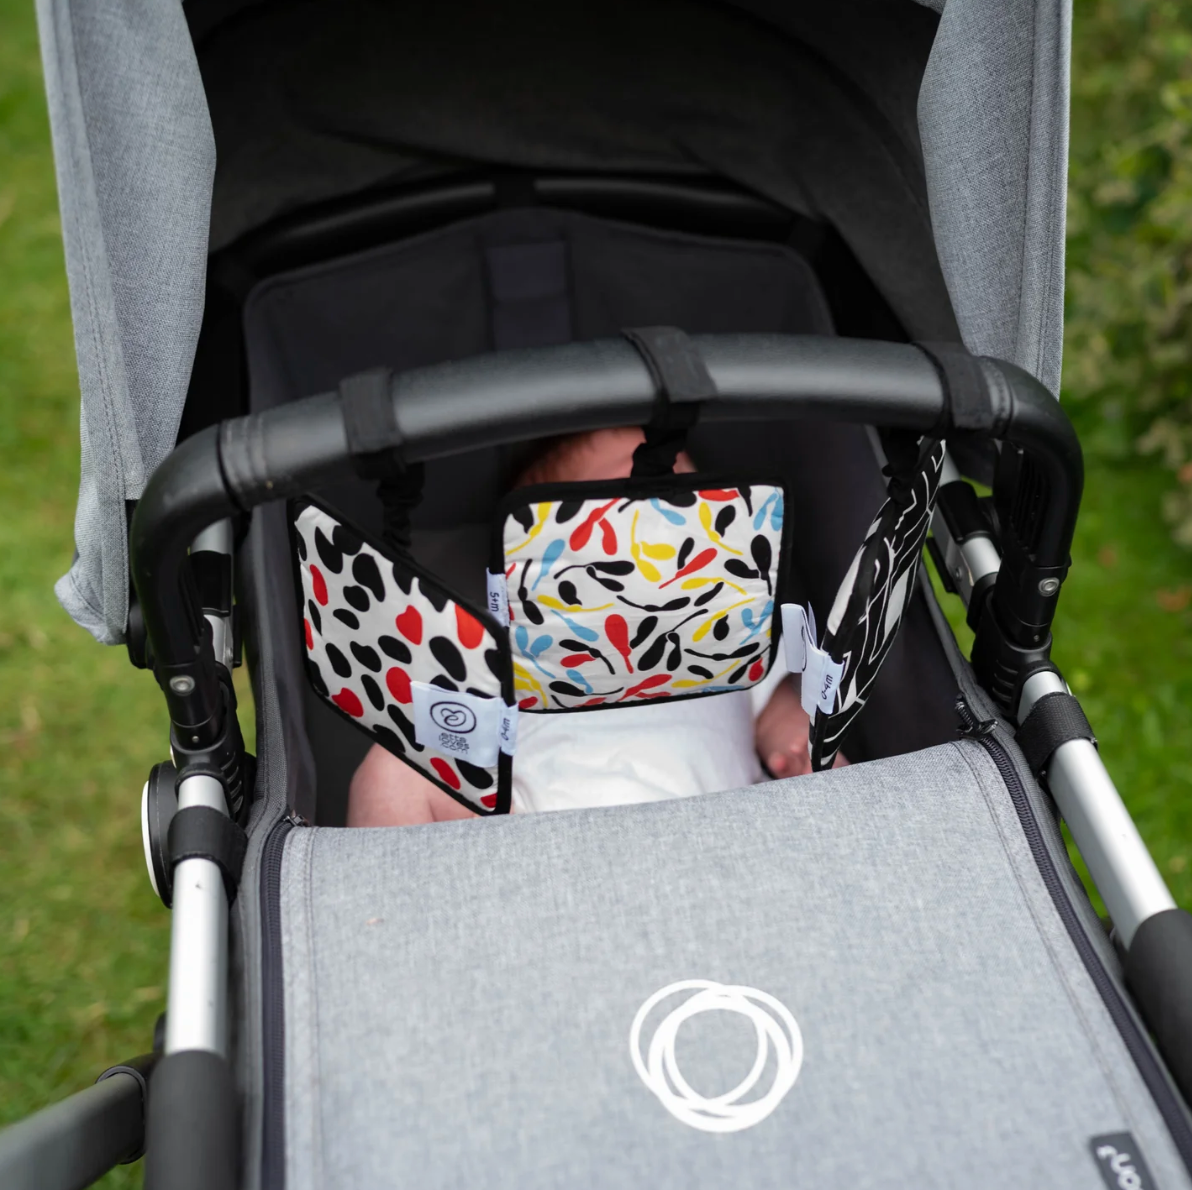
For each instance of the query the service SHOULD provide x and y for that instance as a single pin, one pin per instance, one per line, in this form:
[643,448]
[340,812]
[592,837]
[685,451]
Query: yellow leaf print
[690,584]
[559,606]
[540,515]
[703,629]
[650,572]
[660,552]
[524,680]
[705,519]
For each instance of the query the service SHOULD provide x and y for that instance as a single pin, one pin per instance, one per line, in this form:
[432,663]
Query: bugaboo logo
[777,1033]
[453,716]
[1120,1162]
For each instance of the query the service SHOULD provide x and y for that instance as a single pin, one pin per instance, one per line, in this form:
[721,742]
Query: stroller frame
[951,231]
[227,470]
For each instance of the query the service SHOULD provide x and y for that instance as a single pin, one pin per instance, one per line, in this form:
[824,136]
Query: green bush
[1128,349]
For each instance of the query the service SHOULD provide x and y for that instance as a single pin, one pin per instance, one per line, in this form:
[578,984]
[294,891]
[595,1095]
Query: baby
[631,754]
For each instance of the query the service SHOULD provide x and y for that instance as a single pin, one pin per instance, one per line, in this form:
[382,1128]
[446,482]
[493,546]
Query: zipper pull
[971,727]
[296,820]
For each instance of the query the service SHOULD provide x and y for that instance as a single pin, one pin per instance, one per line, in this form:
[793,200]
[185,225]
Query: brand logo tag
[466,726]
[779,1050]
[1120,1162]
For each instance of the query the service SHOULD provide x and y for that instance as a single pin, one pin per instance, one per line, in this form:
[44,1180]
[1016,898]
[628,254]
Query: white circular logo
[453,716]
[775,1028]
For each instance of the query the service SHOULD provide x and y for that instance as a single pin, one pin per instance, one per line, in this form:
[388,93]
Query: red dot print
[757,669]
[489,801]
[398,682]
[347,701]
[319,583]
[469,630]
[409,624]
[310,639]
[526,703]
[445,771]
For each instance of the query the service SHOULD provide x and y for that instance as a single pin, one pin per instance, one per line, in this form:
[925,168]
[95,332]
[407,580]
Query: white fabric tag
[508,730]
[821,675]
[498,598]
[460,725]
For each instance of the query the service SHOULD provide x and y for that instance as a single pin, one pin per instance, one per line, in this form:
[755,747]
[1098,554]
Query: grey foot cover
[459,997]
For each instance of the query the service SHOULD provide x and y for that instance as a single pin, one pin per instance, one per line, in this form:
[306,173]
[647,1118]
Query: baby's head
[596,454]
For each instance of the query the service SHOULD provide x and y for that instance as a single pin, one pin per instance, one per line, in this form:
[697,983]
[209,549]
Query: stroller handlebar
[510,396]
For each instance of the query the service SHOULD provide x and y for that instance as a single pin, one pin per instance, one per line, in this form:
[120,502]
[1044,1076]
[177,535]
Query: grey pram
[883,975]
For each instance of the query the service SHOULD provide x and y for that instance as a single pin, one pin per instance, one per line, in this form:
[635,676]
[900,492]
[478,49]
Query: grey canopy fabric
[135,153]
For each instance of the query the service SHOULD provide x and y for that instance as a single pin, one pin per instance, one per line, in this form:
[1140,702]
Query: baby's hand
[781,735]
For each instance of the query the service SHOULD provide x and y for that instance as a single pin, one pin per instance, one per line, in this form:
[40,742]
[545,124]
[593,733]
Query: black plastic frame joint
[139,1068]
[199,832]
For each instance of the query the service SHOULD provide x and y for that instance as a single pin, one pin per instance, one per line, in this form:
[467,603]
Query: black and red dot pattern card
[379,634]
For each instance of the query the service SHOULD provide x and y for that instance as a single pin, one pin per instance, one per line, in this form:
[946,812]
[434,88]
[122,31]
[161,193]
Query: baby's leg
[387,792]
[781,734]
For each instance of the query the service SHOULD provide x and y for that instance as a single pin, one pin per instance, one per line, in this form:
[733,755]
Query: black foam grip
[371,424]
[1054,720]
[1159,975]
[191,1140]
[967,389]
[199,832]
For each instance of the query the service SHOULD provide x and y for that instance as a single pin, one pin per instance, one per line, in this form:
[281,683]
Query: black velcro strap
[965,388]
[682,380]
[374,440]
[1054,720]
[199,832]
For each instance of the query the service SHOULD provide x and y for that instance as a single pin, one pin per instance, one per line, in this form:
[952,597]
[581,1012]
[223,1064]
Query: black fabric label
[1120,1162]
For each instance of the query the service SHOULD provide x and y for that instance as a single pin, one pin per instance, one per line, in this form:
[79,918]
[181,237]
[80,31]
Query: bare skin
[386,792]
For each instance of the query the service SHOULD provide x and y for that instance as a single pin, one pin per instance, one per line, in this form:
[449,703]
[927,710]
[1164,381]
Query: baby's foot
[781,734]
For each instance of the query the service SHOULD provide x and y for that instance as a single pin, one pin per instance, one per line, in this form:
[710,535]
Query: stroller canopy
[933,142]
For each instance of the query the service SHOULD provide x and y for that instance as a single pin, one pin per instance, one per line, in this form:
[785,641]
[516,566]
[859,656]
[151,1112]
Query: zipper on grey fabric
[273,1008]
[986,733]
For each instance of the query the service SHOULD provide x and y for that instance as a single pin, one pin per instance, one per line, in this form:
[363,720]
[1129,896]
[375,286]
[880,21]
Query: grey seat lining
[459,997]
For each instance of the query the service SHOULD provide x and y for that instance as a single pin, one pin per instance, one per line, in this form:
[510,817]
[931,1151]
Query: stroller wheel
[159,803]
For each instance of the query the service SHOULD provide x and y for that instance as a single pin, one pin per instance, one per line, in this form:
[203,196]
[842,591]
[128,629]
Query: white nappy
[643,753]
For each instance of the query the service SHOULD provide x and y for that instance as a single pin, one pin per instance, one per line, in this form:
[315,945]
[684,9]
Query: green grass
[82,938]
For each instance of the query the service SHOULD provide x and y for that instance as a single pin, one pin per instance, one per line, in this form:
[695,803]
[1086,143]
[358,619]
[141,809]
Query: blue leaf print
[579,630]
[776,515]
[670,514]
[759,517]
[573,675]
[549,557]
[762,620]
[530,651]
